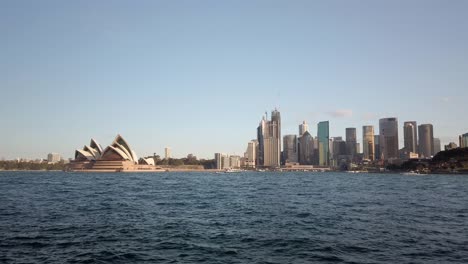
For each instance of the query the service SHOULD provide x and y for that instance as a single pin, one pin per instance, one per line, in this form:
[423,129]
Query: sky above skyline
[197,76]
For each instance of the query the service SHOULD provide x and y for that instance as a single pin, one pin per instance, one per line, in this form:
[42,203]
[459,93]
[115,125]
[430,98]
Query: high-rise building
[463,141]
[53,157]
[260,135]
[388,138]
[377,154]
[234,161]
[269,134]
[251,154]
[306,149]
[290,149]
[426,140]
[351,141]
[410,136]
[303,128]
[339,150]
[167,153]
[323,136]
[437,146]
[219,160]
[368,146]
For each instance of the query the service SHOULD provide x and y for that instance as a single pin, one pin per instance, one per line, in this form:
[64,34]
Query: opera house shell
[118,156]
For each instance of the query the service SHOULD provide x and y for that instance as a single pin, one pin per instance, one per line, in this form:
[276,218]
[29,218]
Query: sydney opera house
[118,156]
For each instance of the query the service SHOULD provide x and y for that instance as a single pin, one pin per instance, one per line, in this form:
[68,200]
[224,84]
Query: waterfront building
[351,141]
[290,149]
[323,135]
[306,149]
[388,128]
[437,146]
[410,136]
[269,134]
[167,153]
[303,128]
[426,140]
[225,162]
[234,162]
[219,161]
[339,149]
[53,157]
[251,154]
[368,145]
[116,157]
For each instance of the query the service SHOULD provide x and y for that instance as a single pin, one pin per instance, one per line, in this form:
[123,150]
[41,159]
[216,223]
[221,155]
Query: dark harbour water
[55,217]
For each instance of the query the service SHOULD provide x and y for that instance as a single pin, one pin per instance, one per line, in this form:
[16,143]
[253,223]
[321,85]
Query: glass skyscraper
[323,130]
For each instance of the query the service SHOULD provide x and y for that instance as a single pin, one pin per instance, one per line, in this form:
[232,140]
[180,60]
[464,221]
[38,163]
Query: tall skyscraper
[339,151]
[368,142]
[306,149]
[290,148]
[410,136]
[260,135]
[377,154]
[323,136]
[351,141]
[389,138]
[219,160]
[463,140]
[269,133]
[426,140]
[303,128]
[437,146]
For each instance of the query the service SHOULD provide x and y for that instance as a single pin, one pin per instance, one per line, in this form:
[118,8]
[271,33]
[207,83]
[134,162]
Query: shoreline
[216,170]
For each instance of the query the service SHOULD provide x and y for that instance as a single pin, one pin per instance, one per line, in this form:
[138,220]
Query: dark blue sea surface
[56,217]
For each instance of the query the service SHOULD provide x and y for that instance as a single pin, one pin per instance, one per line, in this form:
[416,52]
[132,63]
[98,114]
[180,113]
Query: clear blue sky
[198,75]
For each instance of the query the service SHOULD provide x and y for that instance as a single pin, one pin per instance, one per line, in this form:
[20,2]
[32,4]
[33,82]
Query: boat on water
[229,171]
[409,173]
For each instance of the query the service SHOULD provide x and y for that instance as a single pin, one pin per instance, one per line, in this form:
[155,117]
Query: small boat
[411,173]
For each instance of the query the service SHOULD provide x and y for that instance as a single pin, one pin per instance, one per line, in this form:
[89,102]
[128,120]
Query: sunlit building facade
[368,145]
[426,140]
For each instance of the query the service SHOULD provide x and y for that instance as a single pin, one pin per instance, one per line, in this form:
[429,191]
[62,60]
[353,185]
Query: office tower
[53,158]
[426,140]
[219,161]
[306,149]
[234,161]
[368,142]
[290,148]
[351,141]
[339,149]
[260,135]
[167,153]
[437,146]
[377,154]
[269,133]
[226,164]
[388,138]
[463,140]
[251,154]
[323,137]
[303,128]
[410,136]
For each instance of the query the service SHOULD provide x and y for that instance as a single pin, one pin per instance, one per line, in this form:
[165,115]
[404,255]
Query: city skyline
[196,77]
